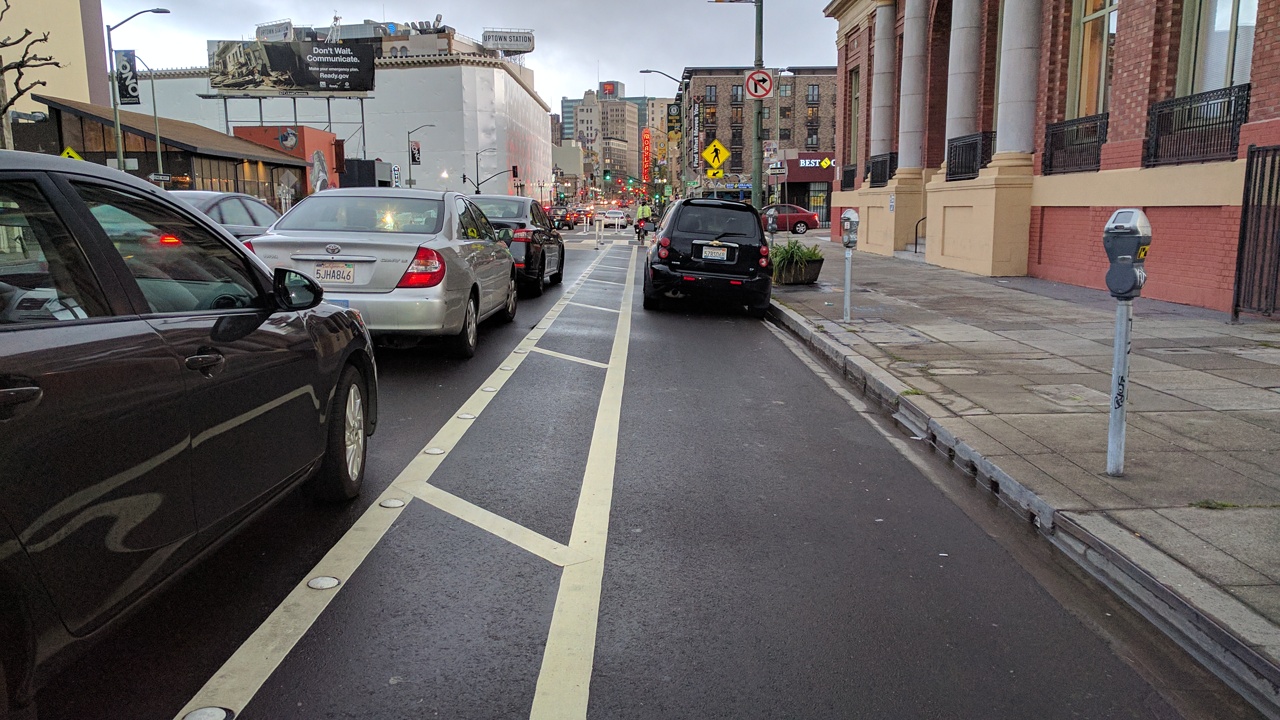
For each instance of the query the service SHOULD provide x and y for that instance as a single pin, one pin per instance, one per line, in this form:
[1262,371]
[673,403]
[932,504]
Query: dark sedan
[710,249]
[244,216]
[536,245]
[159,385]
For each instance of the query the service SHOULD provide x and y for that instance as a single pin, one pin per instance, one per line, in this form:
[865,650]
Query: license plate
[715,253]
[335,273]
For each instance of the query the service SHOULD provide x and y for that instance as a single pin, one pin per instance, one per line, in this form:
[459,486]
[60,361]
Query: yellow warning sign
[826,163]
[715,173]
[67,152]
[1142,252]
[716,154]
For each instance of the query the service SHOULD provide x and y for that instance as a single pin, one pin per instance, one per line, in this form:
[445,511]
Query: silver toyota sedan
[414,263]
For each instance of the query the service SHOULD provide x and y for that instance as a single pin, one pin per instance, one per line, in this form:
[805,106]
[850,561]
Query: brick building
[1015,128]
[801,117]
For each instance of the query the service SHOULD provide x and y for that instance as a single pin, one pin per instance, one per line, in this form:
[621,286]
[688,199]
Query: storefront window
[1093,60]
[1218,44]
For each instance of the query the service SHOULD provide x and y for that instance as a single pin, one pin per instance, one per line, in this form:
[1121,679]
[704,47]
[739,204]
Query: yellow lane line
[573,358]
[518,535]
[564,681]
[243,674]
[594,307]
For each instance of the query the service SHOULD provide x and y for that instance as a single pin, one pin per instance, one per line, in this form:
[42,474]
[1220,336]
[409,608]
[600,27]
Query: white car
[617,219]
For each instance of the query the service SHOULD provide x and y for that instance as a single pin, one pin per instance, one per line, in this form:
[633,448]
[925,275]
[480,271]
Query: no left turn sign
[759,84]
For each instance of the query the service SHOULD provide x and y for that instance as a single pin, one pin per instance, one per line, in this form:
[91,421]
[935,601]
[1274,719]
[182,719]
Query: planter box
[793,275]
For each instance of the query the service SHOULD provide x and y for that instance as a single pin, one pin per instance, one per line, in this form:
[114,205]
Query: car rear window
[359,213]
[717,221]
[499,209]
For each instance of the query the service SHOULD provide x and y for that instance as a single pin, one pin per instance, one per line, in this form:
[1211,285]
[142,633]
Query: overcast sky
[578,41]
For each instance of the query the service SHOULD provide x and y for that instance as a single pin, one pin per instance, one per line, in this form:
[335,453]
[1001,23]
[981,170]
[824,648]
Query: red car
[790,217]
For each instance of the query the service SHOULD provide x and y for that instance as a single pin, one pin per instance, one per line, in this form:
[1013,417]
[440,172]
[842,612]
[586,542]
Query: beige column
[884,61]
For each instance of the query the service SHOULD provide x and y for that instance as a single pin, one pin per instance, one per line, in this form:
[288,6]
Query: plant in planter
[795,263]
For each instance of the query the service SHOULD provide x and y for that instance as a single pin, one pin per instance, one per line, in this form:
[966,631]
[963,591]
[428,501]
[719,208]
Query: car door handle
[20,395]
[208,364]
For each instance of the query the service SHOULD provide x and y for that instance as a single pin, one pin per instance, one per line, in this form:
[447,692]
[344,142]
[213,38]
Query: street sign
[777,169]
[716,154]
[759,84]
[159,177]
[415,153]
[715,173]
[691,183]
[67,152]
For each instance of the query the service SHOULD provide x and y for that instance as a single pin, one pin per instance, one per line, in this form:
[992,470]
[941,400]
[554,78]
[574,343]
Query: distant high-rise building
[612,90]
[568,128]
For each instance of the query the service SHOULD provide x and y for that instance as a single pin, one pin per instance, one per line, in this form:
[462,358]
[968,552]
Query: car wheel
[651,300]
[465,342]
[509,310]
[558,275]
[536,283]
[800,228]
[342,470]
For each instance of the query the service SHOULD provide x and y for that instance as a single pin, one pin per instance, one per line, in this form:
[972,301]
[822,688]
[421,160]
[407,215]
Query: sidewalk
[1010,378]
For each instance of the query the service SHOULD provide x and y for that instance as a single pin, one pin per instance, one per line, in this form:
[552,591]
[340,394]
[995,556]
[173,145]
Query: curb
[1104,549]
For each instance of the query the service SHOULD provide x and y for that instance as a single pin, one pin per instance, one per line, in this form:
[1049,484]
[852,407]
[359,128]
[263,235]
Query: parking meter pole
[848,280]
[1119,388]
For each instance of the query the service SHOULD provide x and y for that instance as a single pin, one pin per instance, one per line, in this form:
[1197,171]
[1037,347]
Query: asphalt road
[651,515]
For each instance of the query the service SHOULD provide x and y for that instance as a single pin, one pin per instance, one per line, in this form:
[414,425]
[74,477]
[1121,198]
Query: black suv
[563,218]
[159,385]
[712,249]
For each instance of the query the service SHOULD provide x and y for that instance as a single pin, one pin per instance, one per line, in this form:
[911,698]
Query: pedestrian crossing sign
[67,152]
[716,154]
[715,173]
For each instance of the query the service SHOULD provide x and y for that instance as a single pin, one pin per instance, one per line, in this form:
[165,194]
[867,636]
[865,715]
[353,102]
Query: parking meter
[771,220]
[849,222]
[1126,237]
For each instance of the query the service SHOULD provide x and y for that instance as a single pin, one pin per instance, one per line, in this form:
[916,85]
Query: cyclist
[644,216]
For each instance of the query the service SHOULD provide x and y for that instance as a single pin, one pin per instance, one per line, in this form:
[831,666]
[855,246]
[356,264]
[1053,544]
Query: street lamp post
[155,115]
[409,143]
[679,87]
[115,92]
[476,180]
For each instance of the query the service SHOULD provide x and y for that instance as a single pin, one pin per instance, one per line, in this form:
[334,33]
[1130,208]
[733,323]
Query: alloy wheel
[354,431]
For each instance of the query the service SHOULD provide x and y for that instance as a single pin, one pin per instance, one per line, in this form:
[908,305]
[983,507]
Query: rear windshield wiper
[729,234]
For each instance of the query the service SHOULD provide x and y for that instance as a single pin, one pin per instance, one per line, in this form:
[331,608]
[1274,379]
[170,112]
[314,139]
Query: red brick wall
[1192,258]
[935,113]
[1145,72]
[854,52]
[987,49]
[1055,56]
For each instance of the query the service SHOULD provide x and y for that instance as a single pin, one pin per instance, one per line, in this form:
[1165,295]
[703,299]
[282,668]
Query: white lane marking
[564,681]
[594,307]
[518,535]
[243,674]
[571,358]
[606,282]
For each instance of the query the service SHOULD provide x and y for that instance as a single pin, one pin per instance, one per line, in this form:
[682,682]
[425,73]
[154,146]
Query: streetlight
[115,93]
[155,115]
[659,72]
[409,141]
[476,180]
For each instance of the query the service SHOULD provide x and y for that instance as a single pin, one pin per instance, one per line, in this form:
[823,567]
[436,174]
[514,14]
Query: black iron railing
[968,154]
[848,177]
[1196,128]
[882,167]
[1074,145]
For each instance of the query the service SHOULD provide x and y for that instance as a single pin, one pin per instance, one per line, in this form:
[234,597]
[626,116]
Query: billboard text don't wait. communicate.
[252,67]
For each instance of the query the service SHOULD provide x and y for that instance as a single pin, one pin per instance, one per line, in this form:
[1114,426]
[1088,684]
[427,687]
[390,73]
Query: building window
[855,109]
[785,90]
[766,134]
[1217,44]
[1092,62]
[735,135]
[811,113]
[710,136]
[735,94]
[710,95]
[811,141]
[785,112]
[784,133]
[735,115]
[765,111]
[709,114]
[735,160]
[812,97]
[394,52]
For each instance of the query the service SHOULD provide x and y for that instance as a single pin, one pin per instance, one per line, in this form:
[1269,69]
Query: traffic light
[608,176]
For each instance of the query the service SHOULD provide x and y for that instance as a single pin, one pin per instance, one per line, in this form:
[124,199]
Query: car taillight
[168,239]
[525,235]
[426,270]
[249,245]
[665,242]
[663,253]
[764,262]
[764,251]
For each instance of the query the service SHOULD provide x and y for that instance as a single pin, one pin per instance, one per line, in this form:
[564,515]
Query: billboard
[508,41]
[253,67]
[127,78]
[280,31]
[646,155]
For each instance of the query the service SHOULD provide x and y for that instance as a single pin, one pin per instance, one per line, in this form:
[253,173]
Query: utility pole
[757,147]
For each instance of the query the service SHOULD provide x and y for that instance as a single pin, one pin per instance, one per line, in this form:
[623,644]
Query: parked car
[536,246]
[791,217]
[159,386]
[707,248]
[563,218]
[244,216]
[617,219]
[415,263]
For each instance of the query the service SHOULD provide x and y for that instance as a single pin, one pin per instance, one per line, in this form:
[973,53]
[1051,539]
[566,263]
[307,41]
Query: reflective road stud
[1126,238]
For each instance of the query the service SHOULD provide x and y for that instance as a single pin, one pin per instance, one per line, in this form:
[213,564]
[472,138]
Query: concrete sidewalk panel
[1211,430]
[1163,529]
[1269,419]
[1256,378]
[1177,479]
[1260,465]
[1187,380]
[1232,399]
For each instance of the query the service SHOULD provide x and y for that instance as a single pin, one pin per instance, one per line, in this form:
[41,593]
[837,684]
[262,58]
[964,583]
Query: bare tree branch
[29,60]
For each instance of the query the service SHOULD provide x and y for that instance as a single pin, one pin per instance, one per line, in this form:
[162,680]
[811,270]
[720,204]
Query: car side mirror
[295,291]
[505,235]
